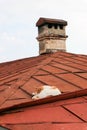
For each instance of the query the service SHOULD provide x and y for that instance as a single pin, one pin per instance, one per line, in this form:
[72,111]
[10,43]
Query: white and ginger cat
[45,91]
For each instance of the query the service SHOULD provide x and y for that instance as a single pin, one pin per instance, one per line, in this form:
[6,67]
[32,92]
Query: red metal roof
[19,79]
[56,115]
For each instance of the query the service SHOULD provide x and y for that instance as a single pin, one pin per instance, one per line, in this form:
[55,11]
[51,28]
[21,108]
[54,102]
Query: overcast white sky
[18,31]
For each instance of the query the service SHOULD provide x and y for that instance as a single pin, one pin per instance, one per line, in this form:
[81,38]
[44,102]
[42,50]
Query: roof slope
[64,114]
[19,79]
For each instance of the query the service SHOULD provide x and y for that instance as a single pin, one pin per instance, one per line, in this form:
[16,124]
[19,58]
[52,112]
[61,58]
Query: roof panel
[64,67]
[55,81]
[19,94]
[41,72]
[64,54]
[78,109]
[62,60]
[51,69]
[59,116]
[74,79]
[31,86]
[81,58]
[53,114]
[3,87]
[13,77]
[84,75]
[4,95]
[79,66]
[10,103]
[21,78]
[85,97]
[61,102]
[49,126]
[74,59]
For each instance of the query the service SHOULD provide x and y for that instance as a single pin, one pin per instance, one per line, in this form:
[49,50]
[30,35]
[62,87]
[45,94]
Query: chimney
[51,35]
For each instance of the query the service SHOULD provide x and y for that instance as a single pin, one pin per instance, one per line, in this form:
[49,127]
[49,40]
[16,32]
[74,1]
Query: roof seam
[69,55]
[15,99]
[59,78]
[79,60]
[79,76]
[60,68]
[79,102]
[39,80]
[29,94]
[73,113]
[69,66]
[73,61]
[83,57]
[67,81]
[16,86]
[47,100]
[9,77]
[55,72]
[71,82]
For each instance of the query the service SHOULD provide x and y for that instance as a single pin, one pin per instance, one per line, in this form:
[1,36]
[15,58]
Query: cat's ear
[39,89]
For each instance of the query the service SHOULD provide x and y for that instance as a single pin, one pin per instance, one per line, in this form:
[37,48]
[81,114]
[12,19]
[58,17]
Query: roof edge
[46,100]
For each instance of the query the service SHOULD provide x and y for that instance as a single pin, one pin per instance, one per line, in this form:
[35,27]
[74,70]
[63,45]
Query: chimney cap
[43,21]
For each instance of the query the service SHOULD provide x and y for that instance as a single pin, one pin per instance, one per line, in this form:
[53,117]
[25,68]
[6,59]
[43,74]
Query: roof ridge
[46,100]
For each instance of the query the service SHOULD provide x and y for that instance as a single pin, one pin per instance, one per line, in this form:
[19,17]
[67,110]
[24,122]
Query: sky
[18,29]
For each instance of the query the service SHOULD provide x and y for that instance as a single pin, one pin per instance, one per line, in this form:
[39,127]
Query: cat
[45,91]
